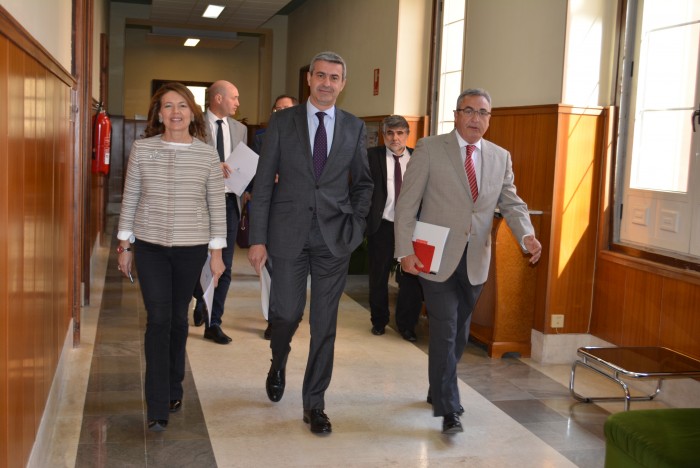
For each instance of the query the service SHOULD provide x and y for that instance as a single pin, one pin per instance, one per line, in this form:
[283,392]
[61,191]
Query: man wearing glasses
[457,180]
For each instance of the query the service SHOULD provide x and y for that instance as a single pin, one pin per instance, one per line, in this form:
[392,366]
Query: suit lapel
[455,156]
[382,167]
[302,128]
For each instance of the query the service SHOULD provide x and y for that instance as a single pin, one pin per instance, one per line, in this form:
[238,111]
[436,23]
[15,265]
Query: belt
[230,194]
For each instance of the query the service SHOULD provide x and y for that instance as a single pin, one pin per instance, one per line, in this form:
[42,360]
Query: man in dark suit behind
[223,103]
[310,221]
[387,165]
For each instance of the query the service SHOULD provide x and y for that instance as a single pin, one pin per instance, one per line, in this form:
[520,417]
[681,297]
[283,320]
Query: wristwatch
[121,249]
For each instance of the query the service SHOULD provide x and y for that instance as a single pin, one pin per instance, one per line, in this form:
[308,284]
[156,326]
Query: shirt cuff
[217,243]
[126,235]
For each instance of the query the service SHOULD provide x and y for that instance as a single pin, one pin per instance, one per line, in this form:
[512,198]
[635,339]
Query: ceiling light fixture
[213,11]
[191,42]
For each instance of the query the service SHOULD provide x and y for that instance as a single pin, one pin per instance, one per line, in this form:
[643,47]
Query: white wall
[99,26]
[144,62]
[590,53]
[412,58]
[278,25]
[365,33]
[515,50]
[49,22]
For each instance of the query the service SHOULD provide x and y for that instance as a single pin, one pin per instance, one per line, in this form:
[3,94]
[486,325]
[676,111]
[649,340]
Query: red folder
[424,252]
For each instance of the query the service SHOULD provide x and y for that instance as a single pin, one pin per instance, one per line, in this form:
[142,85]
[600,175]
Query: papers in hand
[265,282]
[243,162]
[206,280]
[428,245]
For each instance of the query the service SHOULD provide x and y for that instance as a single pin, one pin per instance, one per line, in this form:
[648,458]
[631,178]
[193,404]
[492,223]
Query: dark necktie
[220,140]
[471,172]
[397,176]
[320,146]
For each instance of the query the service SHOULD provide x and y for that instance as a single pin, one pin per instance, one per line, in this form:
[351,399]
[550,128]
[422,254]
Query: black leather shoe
[318,421]
[175,406]
[200,309]
[274,385]
[409,335]
[451,424]
[268,331]
[216,334]
[157,425]
[377,330]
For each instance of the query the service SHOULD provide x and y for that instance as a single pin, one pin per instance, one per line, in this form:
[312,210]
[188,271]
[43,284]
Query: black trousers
[450,305]
[224,283]
[287,302]
[167,276]
[410,299]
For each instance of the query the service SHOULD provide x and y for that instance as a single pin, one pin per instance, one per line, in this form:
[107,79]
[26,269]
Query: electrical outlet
[557,320]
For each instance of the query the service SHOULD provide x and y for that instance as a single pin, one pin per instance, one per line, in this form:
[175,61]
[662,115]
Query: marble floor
[517,413]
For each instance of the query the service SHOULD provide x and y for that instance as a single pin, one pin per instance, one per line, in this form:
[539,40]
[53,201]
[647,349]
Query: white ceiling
[237,14]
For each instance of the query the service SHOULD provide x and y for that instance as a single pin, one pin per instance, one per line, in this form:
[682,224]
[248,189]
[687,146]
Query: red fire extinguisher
[101,140]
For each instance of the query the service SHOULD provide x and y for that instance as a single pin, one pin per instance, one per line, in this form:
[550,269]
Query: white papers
[265,282]
[428,244]
[243,162]
[206,280]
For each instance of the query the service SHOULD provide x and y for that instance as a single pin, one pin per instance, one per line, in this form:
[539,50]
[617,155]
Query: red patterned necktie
[471,172]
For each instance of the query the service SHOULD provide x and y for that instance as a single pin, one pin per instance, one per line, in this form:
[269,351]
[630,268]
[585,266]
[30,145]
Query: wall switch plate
[557,320]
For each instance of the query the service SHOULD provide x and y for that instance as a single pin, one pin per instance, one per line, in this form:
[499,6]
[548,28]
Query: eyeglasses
[468,111]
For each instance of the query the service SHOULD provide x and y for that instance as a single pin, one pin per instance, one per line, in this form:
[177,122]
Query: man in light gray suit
[224,134]
[457,180]
[310,221]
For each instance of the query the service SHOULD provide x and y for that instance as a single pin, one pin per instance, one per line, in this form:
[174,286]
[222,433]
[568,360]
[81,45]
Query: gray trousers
[287,302]
[450,305]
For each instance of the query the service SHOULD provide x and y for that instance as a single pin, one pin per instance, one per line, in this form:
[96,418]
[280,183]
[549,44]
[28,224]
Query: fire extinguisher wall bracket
[101,143]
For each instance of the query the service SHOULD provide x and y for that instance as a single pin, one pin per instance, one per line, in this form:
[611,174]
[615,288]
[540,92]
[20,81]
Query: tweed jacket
[174,194]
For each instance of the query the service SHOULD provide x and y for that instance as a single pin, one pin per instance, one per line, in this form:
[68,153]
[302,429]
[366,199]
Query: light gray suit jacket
[238,131]
[436,177]
[281,213]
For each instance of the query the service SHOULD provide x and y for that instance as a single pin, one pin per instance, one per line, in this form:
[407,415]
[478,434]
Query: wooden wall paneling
[574,219]
[608,301]
[36,187]
[680,322]
[530,134]
[642,313]
[17,339]
[4,248]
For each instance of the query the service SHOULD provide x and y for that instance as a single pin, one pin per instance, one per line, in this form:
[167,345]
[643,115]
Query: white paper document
[429,244]
[243,162]
[265,282]
[206,280]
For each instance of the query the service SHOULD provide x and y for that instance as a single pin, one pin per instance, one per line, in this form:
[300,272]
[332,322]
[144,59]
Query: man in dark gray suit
[310,221]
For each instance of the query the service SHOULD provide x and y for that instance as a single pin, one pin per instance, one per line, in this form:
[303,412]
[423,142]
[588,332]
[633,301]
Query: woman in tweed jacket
[173,211]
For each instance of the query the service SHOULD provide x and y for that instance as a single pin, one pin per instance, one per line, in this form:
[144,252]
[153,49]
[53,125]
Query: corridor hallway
[517,413]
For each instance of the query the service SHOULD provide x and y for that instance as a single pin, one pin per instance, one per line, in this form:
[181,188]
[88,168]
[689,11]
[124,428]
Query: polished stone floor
[518,413]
